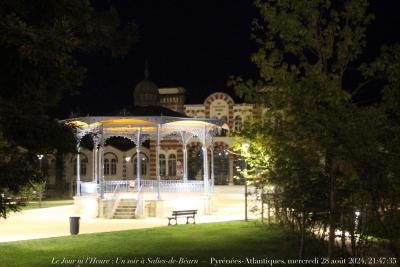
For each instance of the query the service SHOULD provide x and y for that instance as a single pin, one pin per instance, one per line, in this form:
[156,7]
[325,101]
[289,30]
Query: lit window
[163,169]
[82,166]
[172,165]
[106,167]
[113,167]
[144,162]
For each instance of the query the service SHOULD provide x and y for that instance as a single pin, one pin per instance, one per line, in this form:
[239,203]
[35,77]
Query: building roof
[146,94]
[171,90]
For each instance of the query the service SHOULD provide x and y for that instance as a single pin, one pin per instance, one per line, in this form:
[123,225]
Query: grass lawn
[47,204]
[228,240]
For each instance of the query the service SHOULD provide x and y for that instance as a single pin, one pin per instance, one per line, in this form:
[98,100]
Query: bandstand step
[126,209]
[124,216]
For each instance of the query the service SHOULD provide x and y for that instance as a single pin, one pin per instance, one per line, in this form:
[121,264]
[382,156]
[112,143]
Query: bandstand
[100,197]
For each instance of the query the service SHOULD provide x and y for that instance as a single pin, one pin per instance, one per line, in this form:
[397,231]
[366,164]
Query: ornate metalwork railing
[123,186]
[89,188]
[171,186]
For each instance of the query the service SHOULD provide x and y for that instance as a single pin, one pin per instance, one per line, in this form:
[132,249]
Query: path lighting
[40,157]
[357,213]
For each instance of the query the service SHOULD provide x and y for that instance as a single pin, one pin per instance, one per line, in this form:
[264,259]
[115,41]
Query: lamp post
[40,157]
[39,188]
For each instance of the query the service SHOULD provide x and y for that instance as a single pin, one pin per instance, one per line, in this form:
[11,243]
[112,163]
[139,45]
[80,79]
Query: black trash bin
[74,225]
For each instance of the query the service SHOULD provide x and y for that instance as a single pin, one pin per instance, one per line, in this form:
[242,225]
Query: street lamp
[40,157]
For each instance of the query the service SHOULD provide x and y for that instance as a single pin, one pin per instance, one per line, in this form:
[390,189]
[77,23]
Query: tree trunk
[332,226]
[343,236]
[352,235]
[302,235]
[262,205]
[40,199]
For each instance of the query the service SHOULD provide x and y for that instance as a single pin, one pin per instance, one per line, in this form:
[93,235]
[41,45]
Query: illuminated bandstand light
[40,156]
[127,159]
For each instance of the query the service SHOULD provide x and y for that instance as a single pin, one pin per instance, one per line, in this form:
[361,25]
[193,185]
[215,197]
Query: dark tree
[39,44]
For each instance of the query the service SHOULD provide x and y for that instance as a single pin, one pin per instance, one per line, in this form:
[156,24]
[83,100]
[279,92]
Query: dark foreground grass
[242,241]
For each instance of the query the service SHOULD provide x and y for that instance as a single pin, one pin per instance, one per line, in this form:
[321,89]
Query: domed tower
[146,92]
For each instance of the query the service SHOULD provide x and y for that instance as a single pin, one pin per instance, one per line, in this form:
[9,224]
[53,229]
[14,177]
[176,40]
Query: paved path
[53,222]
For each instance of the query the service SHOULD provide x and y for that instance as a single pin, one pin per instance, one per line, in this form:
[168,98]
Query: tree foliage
[39,44]
[327,156]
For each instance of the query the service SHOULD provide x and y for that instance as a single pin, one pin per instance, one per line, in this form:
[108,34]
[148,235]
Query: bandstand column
[138,160]
[205,168]
[205,162]
[78,170]
[100,168]
[185,159]
[158,162]
[184,152]
[95,155]
[212,167]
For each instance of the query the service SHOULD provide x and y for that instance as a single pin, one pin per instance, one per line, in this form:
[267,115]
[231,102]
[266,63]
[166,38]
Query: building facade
[119,162]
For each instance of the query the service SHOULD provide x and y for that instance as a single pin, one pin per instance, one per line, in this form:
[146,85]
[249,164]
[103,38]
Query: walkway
[53,222]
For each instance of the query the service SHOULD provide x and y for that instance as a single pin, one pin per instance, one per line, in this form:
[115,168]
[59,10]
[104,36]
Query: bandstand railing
[170,186]
[122,185]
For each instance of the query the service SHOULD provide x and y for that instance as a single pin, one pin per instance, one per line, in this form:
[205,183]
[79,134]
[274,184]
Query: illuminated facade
[120,162]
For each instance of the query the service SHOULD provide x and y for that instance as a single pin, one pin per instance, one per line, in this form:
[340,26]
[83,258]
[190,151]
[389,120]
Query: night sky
[194,44]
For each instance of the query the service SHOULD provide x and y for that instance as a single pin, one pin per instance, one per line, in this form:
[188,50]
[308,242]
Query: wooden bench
[182,213]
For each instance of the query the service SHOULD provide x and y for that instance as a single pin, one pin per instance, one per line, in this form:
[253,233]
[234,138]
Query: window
[113,167]
[163,170]
[172,165]
[143,166]
[82,166]
[106,167]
